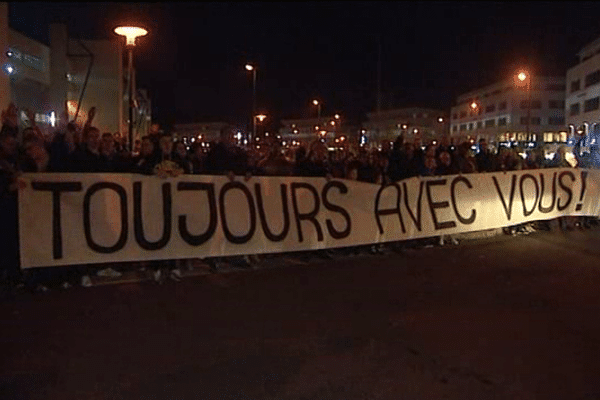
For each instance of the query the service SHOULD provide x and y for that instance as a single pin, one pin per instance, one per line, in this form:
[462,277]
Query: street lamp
[526,78]
[318,104]
[250,67]
[130,33]
[260,118]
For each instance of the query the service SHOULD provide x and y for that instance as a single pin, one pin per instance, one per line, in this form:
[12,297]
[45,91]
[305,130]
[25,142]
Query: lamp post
[260,118]
[525,77]
[130,33]
[250,67]
[475,108]
[318,104]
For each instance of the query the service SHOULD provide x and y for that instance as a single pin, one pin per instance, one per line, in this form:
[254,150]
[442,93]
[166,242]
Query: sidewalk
[198,267]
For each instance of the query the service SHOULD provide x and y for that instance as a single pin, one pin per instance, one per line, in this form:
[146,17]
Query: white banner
[70,219]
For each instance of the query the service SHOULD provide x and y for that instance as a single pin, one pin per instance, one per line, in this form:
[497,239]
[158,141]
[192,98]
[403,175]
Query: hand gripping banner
[73,219]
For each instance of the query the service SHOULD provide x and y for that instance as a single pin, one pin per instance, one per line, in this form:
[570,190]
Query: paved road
[500,318]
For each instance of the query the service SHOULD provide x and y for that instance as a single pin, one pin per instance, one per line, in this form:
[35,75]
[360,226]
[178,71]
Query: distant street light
[318,104]
[130,33]
[252,68]
[260,118]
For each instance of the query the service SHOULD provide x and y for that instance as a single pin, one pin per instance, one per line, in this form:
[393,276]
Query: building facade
[80,73]
[206,132]
[511,111]
[301,132]
[583,93]
[423,124]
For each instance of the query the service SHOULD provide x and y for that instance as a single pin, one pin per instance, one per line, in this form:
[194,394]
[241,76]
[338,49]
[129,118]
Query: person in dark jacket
[10,273]
[484,159]
[87,157]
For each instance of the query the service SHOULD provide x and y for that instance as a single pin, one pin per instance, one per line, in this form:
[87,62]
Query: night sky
[192,61]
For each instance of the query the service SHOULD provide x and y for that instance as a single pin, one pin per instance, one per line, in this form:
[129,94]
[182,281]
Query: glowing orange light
[130,33]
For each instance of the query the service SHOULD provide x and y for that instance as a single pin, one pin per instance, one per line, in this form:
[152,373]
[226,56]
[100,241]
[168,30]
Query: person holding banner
[163,164]
[590,160]
[484,159]
[224,158]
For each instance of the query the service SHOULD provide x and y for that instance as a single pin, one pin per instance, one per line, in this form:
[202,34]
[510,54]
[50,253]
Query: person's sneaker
[454,241]
[248,261]
[109,273]
[86,281]
[243,262]
[41,289]
[65,285]
[175,275]
[255,258]
[114,274]
[212,264]
[157,275]
[441,243]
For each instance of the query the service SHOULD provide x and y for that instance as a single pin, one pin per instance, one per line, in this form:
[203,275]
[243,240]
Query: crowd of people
[84,148]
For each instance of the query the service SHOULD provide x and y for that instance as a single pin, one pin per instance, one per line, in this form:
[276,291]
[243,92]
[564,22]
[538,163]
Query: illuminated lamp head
[130,33]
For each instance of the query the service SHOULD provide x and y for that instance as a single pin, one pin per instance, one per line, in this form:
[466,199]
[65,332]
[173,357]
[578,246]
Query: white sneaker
[156,275]
[42,288]
[175,275]
[455,241]
[109,273]
[114,274]
[86,281]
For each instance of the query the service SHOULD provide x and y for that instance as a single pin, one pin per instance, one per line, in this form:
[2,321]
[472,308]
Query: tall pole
[379,76]
[253,102]
[130,73]
[130,33]
[319,114]
[528,105]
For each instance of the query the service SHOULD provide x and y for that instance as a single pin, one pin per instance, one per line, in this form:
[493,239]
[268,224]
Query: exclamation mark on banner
[580,205]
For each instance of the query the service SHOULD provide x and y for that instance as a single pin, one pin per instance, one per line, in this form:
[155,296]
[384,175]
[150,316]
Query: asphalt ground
[497,318]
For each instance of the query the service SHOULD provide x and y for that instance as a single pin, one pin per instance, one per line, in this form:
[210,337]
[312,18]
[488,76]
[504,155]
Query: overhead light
[10,70]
